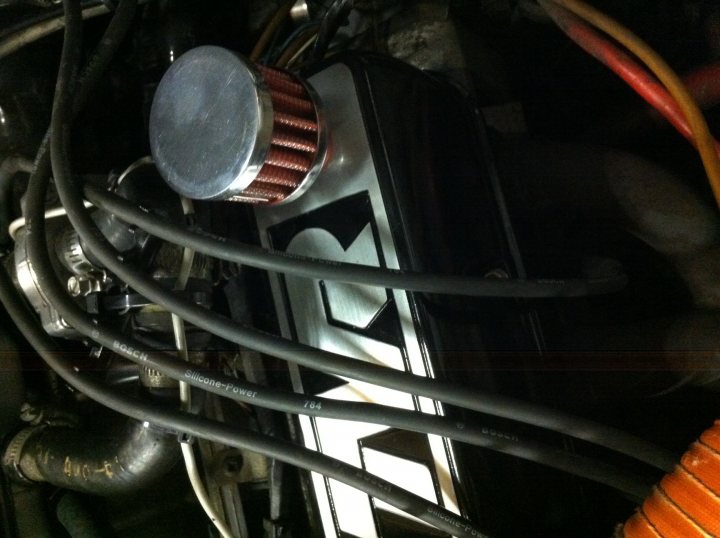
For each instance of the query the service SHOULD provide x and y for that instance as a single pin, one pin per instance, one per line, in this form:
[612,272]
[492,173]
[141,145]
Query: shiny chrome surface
[51,320]
[351,171]
[211,124]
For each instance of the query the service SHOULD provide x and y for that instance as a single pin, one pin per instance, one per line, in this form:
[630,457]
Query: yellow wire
[664,73]
[300,44]
[272,27]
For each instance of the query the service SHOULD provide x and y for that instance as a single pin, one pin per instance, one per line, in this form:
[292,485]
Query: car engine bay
[359,268]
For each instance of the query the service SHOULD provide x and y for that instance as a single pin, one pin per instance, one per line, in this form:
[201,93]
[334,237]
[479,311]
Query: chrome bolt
[81,286]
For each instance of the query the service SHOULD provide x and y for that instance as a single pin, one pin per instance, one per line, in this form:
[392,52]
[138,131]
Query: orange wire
[272,27]
[664,73]
[634,74]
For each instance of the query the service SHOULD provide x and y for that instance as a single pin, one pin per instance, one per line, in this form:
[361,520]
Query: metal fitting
[13,455]
[84,285]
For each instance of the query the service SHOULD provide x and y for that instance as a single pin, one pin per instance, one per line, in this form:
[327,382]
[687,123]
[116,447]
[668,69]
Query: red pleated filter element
[222,128]
[686,503]
[294,146]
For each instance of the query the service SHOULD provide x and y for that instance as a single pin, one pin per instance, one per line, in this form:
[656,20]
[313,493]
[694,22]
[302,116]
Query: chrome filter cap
[224,129]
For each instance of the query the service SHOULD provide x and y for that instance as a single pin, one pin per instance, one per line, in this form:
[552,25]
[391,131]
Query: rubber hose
[98,464]
[686,503]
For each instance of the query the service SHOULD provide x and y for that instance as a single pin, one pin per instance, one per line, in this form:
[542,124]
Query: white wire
[142,161]
[199,489]
[302,49]
[178,324]
[16,225]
